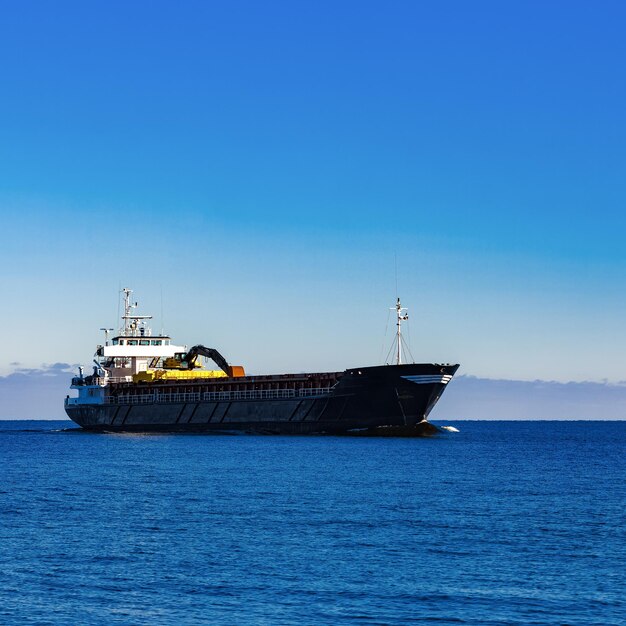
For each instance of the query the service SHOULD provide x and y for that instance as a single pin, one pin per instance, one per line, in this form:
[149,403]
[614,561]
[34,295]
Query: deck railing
[216,396]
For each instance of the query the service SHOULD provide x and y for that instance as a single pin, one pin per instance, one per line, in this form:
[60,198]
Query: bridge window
[156,342]
[132,342]
[144,342]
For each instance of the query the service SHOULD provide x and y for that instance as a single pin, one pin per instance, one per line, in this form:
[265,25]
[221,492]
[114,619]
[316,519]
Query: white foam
[450,429]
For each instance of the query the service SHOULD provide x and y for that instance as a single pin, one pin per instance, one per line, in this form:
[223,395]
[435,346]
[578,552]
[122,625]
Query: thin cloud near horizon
[63,369]
[37,393]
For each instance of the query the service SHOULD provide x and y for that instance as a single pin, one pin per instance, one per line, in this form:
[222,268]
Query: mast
[400,318]
[131,321]
[127,310]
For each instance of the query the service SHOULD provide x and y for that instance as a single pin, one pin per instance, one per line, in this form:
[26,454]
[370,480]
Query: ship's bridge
[141,346]
[134,348]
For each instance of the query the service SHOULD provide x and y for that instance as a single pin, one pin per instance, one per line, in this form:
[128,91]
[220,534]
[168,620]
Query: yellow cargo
[151,375]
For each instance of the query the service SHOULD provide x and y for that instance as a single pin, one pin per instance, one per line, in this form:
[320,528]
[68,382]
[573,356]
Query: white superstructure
[132,350]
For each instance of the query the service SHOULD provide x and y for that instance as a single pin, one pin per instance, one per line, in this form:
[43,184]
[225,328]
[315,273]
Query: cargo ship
[143,382]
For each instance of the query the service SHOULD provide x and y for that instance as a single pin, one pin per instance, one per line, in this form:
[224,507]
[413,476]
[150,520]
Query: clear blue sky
[261,163]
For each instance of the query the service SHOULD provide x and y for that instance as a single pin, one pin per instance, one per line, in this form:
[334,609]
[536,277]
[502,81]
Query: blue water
[501,523]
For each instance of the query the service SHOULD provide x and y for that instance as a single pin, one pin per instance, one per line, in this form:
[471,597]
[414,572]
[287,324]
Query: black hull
[384,401]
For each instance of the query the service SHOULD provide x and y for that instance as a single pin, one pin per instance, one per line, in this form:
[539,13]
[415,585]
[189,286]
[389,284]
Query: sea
[499,523]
